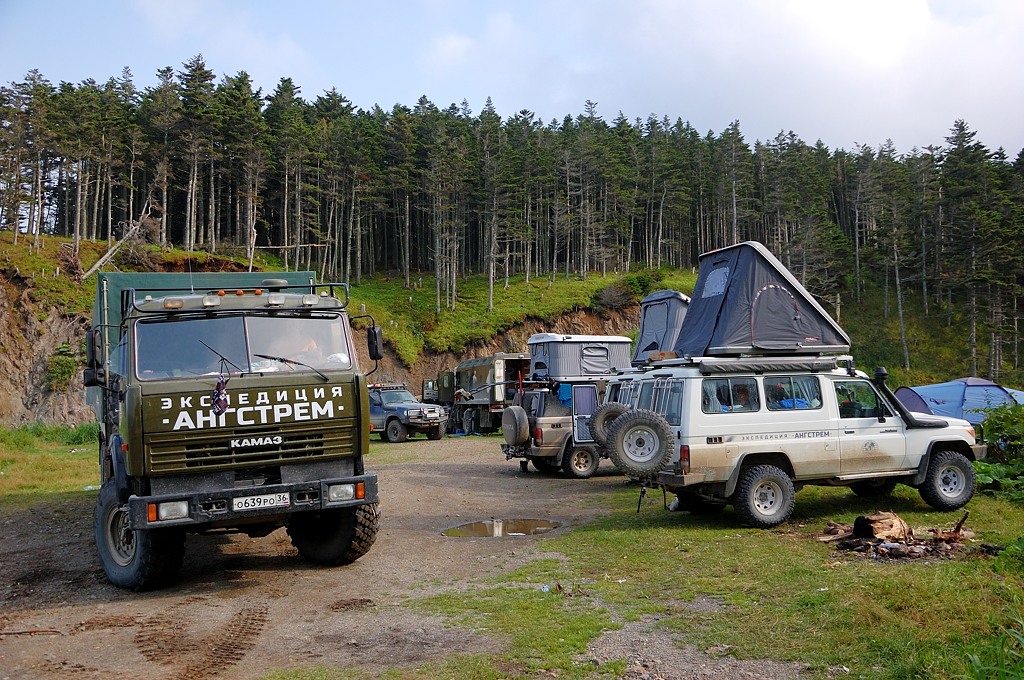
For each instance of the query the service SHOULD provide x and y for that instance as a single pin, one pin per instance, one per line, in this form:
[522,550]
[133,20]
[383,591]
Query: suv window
[729,395]
[858,399]
[796,392]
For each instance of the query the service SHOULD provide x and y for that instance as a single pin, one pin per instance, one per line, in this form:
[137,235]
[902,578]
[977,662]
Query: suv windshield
[397,397]
[184,348]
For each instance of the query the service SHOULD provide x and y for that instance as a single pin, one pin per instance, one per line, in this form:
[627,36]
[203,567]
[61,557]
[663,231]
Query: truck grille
[226,449]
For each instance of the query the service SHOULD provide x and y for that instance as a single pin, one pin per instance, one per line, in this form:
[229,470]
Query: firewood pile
[884,535]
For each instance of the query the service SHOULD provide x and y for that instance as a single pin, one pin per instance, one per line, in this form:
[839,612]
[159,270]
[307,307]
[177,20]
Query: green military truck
[227,402]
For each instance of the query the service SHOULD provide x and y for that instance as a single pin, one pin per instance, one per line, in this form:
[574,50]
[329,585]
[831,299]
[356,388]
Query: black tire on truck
[335,537]
[640,443]
[764,496]
[603,416]
[515,425]
[435,433]
[581,462]
[949,482]
[132,559]
[396,432]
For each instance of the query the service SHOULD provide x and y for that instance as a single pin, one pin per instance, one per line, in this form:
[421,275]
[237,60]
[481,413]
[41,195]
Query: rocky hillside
[32,331]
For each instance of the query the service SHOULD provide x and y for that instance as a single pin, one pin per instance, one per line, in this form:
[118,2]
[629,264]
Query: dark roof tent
[661,316]
[746,302]
[961,398]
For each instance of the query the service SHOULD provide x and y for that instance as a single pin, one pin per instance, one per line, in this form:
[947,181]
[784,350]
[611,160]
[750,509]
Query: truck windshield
[397,397]
[183,348]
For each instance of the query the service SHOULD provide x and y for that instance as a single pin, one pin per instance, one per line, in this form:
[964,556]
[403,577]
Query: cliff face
[29,335]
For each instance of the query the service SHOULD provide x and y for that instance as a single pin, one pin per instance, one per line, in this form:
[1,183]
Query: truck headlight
[160,512]
[345,492]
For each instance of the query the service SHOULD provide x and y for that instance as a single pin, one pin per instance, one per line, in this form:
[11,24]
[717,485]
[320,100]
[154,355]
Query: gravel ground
[244,606]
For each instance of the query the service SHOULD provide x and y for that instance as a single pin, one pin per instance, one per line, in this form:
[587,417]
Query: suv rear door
[584,401]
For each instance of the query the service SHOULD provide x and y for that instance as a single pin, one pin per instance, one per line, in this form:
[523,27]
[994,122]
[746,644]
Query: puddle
[502,527]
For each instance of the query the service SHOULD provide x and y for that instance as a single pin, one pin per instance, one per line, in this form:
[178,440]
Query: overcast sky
[846,72]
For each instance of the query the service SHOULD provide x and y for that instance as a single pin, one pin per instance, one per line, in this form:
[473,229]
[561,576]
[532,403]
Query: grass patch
[785,595]
[40,460]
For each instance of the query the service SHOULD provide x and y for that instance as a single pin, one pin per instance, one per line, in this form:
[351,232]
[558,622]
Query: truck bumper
[224,507]
[980,451]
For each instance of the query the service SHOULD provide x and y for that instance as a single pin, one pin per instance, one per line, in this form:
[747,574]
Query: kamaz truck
[227,402]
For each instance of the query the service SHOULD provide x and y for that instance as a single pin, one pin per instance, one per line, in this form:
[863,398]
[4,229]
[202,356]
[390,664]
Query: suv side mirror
[375,342]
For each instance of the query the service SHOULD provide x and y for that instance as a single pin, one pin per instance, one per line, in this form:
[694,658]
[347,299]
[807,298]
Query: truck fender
[120,471]
[779,460]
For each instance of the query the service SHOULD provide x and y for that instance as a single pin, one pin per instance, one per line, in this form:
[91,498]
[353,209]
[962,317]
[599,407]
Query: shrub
[61,367]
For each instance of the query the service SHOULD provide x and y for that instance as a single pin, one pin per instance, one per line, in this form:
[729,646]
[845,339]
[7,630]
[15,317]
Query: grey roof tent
[746,302]
[661,316]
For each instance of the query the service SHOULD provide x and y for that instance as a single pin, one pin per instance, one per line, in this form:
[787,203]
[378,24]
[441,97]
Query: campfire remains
[886,535]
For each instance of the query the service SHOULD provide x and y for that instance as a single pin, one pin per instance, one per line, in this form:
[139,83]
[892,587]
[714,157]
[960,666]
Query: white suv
[750,431]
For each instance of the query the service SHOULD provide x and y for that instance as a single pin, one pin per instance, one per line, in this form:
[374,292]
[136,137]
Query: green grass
[785,595]
[39,461]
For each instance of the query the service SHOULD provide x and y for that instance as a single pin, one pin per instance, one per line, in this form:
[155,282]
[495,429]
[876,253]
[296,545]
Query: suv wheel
[515,425]
[949,482]
[603,416]
[764,496]
[640,443]
[581,463]
[395,431]
[435,433]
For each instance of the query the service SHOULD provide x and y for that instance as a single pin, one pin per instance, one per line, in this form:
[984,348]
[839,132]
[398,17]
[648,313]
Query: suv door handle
[849,431]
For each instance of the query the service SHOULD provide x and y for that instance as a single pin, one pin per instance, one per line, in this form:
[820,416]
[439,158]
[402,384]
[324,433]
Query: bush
[642,282]
[61,367]
[1004,432]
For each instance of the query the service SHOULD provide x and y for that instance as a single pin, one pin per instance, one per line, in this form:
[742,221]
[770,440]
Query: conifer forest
[446,192]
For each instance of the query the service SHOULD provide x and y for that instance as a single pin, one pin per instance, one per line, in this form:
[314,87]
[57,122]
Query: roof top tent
[960,398]
[577,357]
[746,302]
[661,317]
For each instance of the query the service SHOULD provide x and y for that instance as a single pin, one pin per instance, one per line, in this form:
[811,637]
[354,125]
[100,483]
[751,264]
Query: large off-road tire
[395,431]
[515,425]
[874,488]
[640,443]
[581,462]
[764,496]
[135,560]
[435,433]
[603,416]
[950,481]
[544,464]
[335,537]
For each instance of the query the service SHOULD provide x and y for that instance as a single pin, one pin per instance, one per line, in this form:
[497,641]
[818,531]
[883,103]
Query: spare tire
[515,425]
[640,443]
[602,417]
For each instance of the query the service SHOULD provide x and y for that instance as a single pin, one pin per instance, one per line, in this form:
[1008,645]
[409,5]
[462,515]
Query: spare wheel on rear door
[640,443]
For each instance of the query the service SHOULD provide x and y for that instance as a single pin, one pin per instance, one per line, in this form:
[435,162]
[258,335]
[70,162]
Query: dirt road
[245,606]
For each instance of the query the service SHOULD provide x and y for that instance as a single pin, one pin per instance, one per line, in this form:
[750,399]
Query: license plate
[270,500]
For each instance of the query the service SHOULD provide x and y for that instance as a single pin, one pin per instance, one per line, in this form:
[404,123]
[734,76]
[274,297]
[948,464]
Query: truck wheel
[544,464]
[435,433]
[602,417]
[135,560]
[874,488]
[640,443]
[949,482]
[764,496]
[396,431]
[335,537]
[581,463]
[515,425]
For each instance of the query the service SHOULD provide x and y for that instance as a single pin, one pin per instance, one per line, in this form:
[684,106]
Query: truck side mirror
[93,348]
[375,342]
[94,377]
